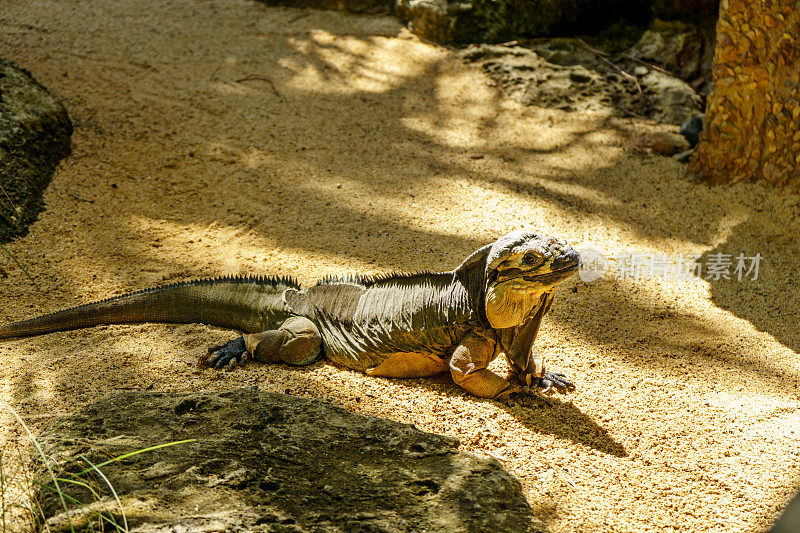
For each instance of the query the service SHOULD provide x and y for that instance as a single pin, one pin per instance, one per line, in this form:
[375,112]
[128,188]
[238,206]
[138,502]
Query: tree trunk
[753,111]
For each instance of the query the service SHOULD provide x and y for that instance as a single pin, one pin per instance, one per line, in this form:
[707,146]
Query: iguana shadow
[562,419]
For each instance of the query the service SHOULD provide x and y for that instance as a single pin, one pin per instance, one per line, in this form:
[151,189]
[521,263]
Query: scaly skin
[399,325]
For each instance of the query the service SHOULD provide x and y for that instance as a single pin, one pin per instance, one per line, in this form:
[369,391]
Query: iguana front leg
[525,360]
[468,368]
[296,342]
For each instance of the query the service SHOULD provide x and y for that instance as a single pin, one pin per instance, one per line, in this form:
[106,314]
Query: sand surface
[224,137]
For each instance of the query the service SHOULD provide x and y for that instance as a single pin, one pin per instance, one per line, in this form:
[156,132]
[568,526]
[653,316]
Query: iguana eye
[530,258]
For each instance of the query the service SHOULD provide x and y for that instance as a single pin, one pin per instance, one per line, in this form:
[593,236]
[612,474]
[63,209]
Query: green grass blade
[113,492]
[6,250]
[52,489]
[79,503]
[3,490]
[44,459]
[137,452]
[80,484]
[8,197]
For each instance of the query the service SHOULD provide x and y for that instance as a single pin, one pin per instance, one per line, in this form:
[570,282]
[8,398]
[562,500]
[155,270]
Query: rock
[685,50]
[669,100]
[753,112]
[691,130]
[662,143]
[530,80]
[34,136]
[590,83]
[493,21]
[270,462]
[565,52]
[350,6]
[438,21]
[675,46]
[684,156]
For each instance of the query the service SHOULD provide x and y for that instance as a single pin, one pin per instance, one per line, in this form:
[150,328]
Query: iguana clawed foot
[555,382]
[534,396]
[227,355]
[548,385]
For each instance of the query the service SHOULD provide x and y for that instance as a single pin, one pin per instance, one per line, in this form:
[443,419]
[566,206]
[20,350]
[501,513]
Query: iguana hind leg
[409,365]
[296,342]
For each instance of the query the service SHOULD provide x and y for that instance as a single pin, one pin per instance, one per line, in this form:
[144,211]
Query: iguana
[394,325]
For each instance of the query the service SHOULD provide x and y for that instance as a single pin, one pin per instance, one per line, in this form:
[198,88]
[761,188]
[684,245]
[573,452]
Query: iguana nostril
[567,259]
[573,255]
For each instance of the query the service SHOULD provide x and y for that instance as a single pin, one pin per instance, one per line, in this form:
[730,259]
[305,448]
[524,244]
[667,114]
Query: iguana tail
[250,304]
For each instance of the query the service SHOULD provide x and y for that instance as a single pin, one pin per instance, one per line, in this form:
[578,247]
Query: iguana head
[520,267]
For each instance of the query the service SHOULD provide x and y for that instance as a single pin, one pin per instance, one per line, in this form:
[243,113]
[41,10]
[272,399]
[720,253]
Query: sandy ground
[222,137]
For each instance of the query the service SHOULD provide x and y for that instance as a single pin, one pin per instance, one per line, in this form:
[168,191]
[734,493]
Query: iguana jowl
[398,325]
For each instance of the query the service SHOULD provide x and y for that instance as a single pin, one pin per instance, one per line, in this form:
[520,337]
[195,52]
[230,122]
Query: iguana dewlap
[397,325]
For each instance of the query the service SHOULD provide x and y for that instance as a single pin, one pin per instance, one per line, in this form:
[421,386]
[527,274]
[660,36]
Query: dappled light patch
[329,63]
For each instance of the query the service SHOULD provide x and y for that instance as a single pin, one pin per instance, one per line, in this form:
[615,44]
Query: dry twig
[251,77]
[601,55]
[298,17]
[81,198]
[648,65]
[215,72]
[8,197]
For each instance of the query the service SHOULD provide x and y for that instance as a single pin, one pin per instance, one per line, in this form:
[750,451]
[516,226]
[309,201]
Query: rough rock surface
[350,6]
[34,136]
[675,46]
[530,80]
[669,100]
[270,462]
[562,75]
[684,50]
[475,21]
[438,21]
[662,143]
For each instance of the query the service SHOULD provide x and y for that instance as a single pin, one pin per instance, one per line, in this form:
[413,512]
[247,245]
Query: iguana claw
[557,381]
[227,355]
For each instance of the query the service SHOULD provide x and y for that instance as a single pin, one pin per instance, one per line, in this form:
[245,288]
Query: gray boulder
[438,21]
[685,50]
[530,80]
[34,136]
[492,21]
[270,462]
[669,100]
[572,78]
[675,46]
[349,6]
